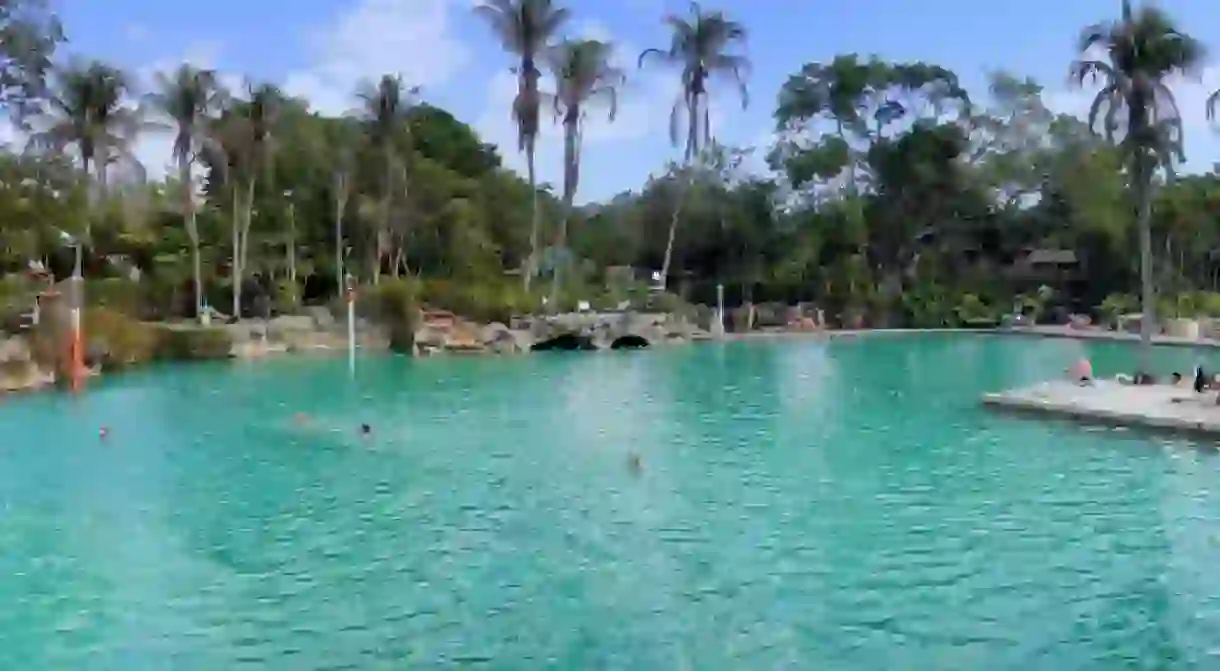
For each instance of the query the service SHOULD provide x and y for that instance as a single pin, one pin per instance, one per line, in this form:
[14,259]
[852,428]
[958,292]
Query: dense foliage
[895,196]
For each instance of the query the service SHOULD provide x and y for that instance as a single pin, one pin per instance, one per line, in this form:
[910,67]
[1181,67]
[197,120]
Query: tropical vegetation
[894,195]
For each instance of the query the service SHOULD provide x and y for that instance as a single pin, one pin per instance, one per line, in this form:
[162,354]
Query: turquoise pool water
[800,505]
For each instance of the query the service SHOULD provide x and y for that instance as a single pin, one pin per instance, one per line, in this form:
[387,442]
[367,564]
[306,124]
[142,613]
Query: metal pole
[77,344]
[351,327]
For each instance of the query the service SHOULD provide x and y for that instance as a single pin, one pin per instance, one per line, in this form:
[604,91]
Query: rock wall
[18,370]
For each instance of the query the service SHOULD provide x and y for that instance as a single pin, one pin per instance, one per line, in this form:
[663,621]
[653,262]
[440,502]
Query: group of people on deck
[1081,372]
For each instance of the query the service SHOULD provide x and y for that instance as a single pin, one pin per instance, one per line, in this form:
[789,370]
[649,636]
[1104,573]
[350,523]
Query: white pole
[78,342]
[351,328]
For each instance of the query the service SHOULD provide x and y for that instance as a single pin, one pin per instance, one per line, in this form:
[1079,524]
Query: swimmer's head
[365,429]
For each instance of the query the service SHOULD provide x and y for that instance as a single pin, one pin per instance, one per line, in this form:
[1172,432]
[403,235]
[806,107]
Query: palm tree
[342,176]
[384,111]
[583,75]
[700,49]
[526,28]
[188,97]
[1143,50]
[246,133]
[88,111]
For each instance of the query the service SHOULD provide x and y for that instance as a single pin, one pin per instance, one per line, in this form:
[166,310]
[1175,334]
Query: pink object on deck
[1081,370]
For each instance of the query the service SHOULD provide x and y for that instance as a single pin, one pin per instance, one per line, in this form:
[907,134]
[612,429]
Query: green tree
[245,151]
[384,112]
[88,112]
[526,28]
[1144,49]
[188,97]
[701,49]
[29,35]
[584,75]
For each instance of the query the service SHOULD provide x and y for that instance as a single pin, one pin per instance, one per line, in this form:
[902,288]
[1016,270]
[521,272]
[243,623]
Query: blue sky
[322,48]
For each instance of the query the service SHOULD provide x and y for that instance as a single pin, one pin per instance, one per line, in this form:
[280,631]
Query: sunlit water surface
[800,505]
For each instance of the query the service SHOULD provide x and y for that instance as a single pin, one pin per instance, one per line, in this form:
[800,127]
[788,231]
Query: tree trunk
[235,266]
[692,150]
[90,198]
[340,207]
[571,175]
[683,186]
[384,224]
[1147,293]
[531,263]
[192,230]
[292,252]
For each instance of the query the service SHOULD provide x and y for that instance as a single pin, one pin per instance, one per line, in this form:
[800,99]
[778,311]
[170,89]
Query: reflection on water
[800,504]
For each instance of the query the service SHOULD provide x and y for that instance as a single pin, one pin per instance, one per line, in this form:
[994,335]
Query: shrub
[1208,303]
[116,340]
[973,311]
[928,305]
[116,294]
[287,297]
[490,301]
[188,342]
[395,305]
[1115,306]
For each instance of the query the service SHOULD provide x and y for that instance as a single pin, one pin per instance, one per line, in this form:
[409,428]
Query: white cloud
[408,37]
[1202,136]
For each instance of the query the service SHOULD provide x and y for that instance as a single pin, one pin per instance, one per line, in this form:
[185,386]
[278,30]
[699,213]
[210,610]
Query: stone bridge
[605,330]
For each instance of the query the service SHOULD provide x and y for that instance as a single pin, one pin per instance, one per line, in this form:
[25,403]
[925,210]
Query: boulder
[16,375]
[279,326]
[430,336]
[500,339]
[464,338]
[14,349]
[322,318]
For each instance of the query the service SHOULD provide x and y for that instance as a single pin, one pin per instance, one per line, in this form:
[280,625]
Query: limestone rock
[322,318]
[500,339]
[16,375]
[14,349]
[283,324]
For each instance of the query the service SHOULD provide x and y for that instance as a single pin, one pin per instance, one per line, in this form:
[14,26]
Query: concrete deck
[1159,407]
[1099,334]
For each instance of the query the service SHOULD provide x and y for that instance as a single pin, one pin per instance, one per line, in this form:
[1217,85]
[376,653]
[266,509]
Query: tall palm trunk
[692,147]
[384,225]
[235,269]
[192,230]
[340,209]
[291,251]
[571,173]
[90,197]
[242,214]
[531,264]
[1143,194]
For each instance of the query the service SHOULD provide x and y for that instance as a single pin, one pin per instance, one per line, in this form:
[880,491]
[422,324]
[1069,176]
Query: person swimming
[366,430]
[634,464]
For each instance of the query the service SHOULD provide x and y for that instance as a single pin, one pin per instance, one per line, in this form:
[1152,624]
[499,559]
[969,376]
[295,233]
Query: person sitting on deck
[1081,372]
[1176,379]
